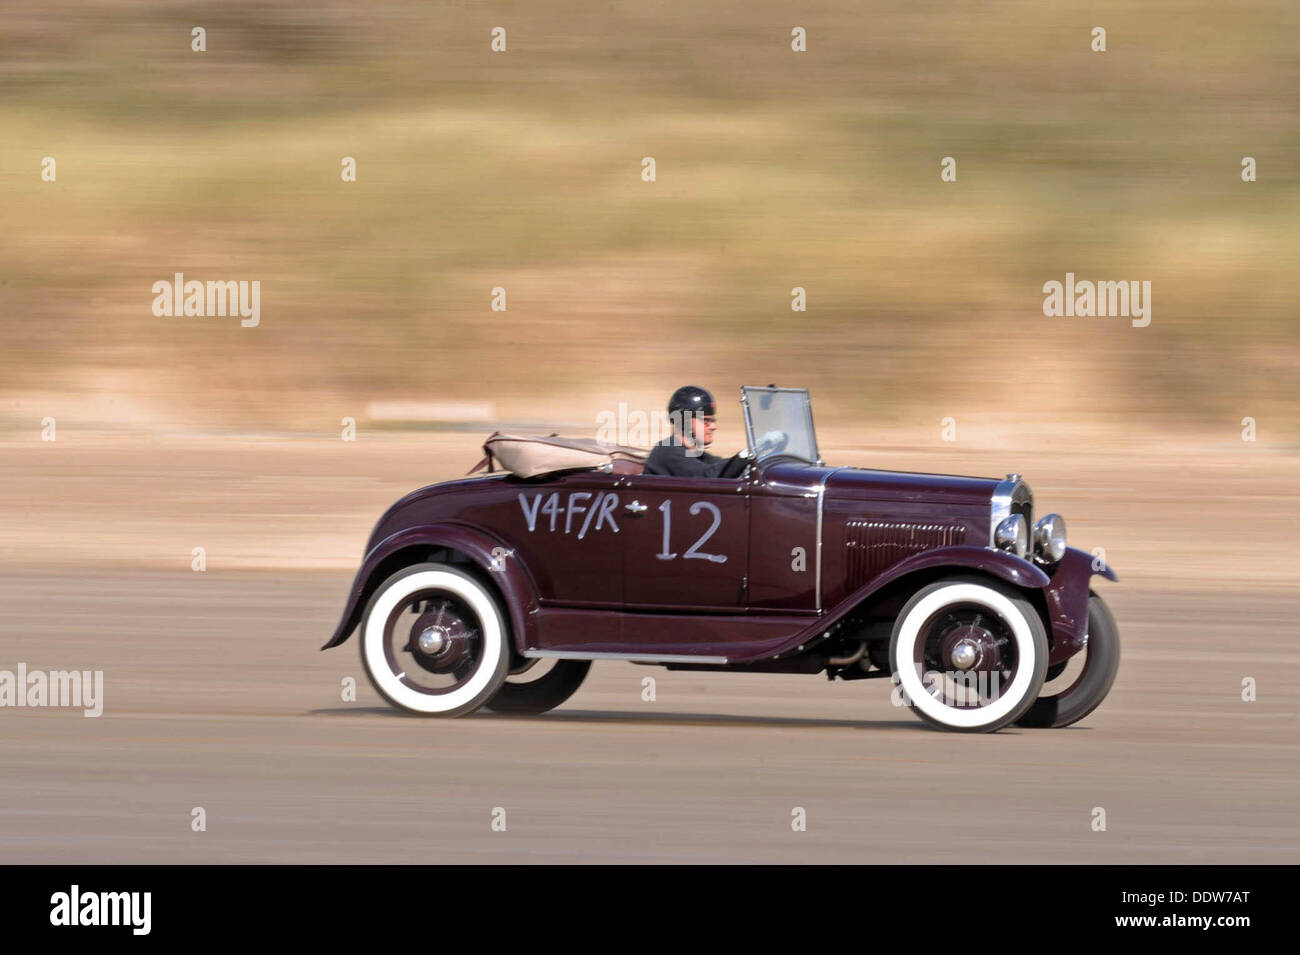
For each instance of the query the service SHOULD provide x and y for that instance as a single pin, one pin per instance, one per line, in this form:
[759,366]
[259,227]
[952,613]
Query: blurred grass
[775,169]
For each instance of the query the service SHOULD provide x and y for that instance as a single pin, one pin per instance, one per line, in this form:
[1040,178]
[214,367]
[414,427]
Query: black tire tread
[546,693]
[1100,669]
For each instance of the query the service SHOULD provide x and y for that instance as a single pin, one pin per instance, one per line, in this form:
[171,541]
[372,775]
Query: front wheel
[434,641]
[968,654]
[1085,690]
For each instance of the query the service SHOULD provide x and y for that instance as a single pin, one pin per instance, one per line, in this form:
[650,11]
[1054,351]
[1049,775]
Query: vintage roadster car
[499,590]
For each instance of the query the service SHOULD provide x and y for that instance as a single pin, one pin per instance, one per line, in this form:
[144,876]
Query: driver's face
[703,427]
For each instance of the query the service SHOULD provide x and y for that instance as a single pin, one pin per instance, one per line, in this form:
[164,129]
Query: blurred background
[775,169]
[523,170]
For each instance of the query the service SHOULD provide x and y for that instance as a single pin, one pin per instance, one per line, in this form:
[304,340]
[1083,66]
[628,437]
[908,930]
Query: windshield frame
[754,392]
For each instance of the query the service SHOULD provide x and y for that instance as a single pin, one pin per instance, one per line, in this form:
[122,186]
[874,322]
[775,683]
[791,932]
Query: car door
[567,532]
[685,543]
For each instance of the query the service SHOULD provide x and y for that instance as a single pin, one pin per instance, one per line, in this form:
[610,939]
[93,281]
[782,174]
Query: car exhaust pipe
[851,659]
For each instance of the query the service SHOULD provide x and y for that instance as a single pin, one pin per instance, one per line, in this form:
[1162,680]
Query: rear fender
[496,562]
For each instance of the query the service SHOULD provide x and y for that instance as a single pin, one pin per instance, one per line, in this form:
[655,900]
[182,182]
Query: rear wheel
[433,641]
[1085,685]
[541,686]
[968,654]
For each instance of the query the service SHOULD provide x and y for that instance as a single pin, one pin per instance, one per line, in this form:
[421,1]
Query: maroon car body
[796,566]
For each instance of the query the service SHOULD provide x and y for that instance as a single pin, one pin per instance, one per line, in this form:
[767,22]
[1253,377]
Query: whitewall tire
[434,641]
[968,654]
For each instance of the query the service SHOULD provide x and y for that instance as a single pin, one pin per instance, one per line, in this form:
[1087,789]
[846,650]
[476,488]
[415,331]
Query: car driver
[694,417]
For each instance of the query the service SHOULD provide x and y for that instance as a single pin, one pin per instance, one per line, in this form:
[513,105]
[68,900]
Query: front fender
[411,544]
[1014,570]
[1065,592]
[1067,601]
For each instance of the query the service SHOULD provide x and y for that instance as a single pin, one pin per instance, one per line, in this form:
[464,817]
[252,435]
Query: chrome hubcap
[964,654]
[432,640]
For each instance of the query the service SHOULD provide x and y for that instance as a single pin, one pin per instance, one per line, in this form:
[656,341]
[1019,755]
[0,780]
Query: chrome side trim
[631,657]
[821,497]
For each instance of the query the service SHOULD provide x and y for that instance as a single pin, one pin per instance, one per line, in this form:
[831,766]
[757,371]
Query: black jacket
[670,457]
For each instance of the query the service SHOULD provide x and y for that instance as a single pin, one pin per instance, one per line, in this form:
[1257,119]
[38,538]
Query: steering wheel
[735,466]
[772,442]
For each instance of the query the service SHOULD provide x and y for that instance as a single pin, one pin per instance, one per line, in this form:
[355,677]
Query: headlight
[1049,538]
[1012,534]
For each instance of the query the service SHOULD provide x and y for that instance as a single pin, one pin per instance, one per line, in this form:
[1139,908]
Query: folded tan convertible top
[532,455]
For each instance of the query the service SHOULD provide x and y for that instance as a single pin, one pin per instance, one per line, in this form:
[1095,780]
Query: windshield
[779,421]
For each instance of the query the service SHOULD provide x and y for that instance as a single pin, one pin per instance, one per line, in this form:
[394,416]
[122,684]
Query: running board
[629,657]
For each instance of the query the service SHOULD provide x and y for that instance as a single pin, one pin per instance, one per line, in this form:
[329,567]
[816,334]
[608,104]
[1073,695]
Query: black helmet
[693,399]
